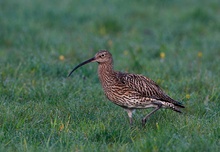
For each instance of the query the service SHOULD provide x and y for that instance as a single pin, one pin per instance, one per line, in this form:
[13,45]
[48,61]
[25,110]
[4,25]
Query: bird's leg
[129,111]
[148,115]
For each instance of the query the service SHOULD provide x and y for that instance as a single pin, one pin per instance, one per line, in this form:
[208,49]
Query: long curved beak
[81,64]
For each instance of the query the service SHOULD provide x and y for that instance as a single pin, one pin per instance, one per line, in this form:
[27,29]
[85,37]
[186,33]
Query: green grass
[43,110]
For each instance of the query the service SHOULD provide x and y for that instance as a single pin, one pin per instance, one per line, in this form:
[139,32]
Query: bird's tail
[175,107]
[173,104]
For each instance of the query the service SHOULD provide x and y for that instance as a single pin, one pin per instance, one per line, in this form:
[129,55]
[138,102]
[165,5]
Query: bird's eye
[102,55]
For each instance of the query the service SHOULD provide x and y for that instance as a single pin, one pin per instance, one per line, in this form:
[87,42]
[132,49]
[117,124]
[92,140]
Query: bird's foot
[143,122]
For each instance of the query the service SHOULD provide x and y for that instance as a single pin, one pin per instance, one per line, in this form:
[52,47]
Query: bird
[130,91]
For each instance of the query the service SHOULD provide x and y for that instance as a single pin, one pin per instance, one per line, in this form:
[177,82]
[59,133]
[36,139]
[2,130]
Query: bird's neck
[106,73]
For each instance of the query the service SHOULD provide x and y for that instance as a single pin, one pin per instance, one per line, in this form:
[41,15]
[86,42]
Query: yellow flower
[102,31]
[110,43]
[162,55]
[187,96]
[61,127]
[125,52]
[159,81]
[199,54]
[61,57]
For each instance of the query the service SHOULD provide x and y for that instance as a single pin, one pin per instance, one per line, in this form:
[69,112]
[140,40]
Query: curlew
[130,91]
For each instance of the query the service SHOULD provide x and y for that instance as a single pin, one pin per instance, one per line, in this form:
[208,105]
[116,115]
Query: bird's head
[101,57]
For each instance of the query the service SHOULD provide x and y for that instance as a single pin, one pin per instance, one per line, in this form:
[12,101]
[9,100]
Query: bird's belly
[129,99]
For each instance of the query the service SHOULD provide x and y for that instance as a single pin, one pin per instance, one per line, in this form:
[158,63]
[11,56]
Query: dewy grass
[176,44]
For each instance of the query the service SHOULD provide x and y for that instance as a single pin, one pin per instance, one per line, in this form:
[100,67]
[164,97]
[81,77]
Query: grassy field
[175,43]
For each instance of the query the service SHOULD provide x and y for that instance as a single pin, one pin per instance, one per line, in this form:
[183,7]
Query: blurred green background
[175,43]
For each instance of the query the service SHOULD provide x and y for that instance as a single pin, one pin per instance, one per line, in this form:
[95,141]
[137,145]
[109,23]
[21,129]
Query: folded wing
[146,87]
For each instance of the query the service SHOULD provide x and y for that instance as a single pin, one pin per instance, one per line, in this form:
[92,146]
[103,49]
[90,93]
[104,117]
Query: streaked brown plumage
[130,91]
